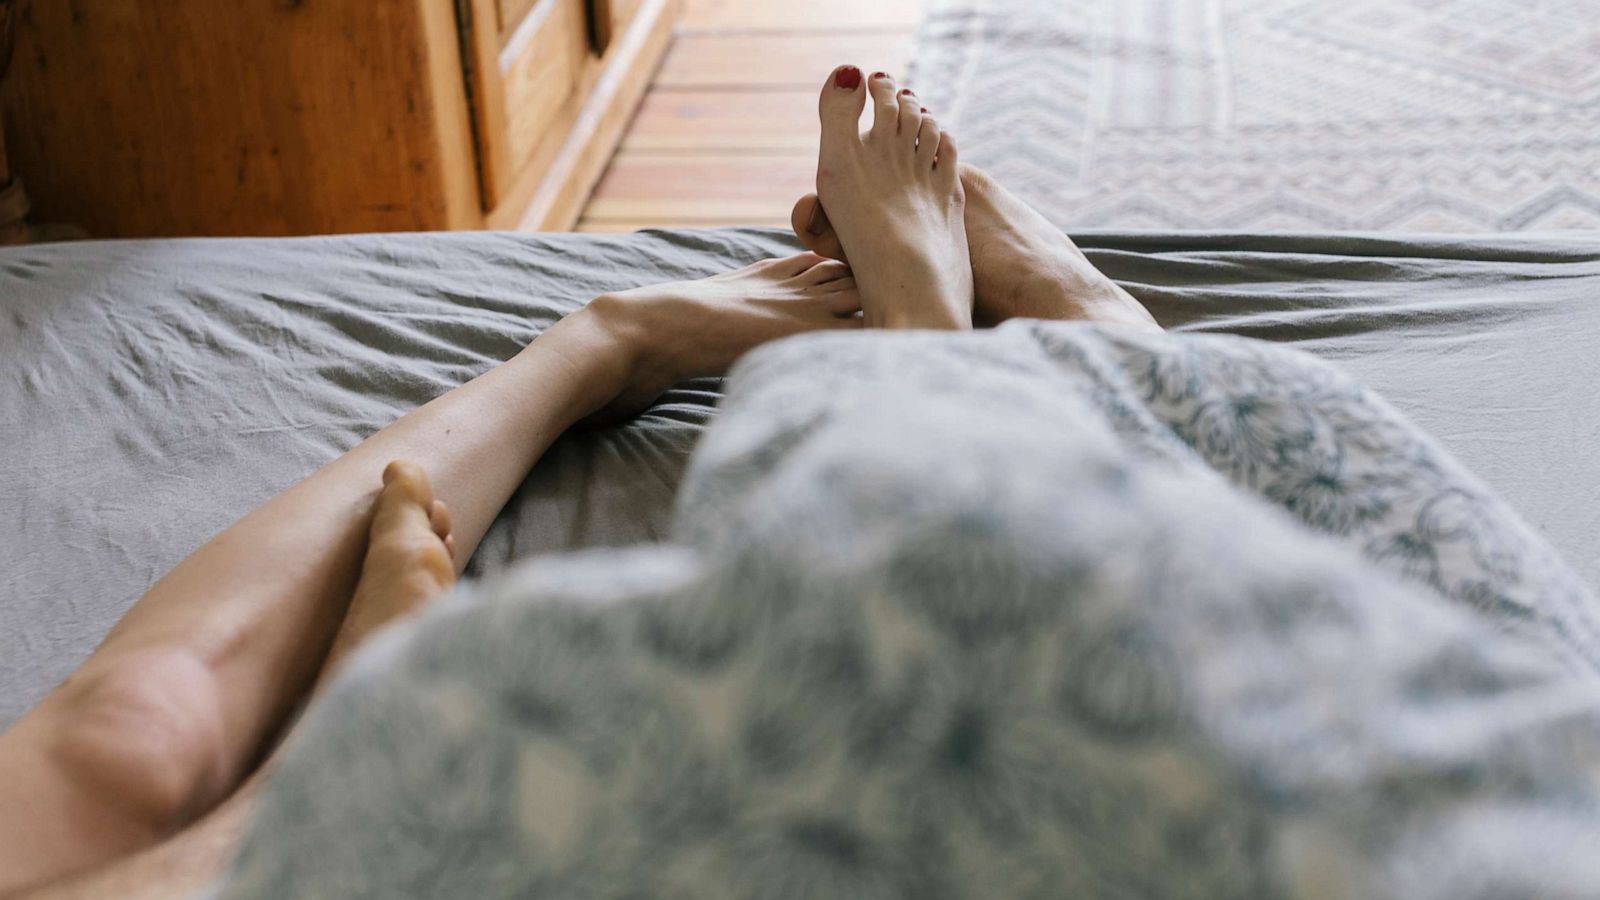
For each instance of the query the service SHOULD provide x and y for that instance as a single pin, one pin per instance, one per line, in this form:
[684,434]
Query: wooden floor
[728,133]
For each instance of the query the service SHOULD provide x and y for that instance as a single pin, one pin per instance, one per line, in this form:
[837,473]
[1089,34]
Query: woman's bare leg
[184,696]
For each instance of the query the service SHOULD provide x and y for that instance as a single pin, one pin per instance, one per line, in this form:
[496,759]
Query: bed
[153,391]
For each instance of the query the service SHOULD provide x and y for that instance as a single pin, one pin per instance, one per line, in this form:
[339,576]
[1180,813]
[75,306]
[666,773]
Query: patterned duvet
[1045,611]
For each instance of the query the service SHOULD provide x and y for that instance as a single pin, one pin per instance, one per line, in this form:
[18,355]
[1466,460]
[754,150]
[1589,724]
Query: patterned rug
[1410,115]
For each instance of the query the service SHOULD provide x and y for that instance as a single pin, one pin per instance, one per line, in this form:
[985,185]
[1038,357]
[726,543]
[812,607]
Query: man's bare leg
[408,562]
[1022,266]
[185,695]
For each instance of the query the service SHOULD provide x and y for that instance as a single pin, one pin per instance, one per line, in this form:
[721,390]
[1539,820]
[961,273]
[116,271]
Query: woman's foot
[894,197]
[410,558]
[1022,266]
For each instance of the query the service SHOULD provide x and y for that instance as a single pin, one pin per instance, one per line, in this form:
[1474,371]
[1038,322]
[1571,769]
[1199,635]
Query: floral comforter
[1051,610]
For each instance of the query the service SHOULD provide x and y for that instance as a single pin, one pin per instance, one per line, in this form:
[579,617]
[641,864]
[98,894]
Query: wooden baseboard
[553,199]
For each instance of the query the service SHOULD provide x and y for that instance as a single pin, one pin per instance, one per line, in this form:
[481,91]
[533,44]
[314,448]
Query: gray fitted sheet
[152,392]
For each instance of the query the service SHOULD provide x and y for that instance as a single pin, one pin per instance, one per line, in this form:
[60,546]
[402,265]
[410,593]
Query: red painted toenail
[880,74]
[924,109]
[848,78]
[907,92]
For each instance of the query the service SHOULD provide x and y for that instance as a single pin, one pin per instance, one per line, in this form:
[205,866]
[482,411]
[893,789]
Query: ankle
[936,317]
[599,348]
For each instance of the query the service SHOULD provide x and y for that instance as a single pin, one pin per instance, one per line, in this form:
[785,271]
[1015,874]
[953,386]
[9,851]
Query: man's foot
[1022,266]
[113,763]
[409,561]
[895,199]
[410,558]
[691,329]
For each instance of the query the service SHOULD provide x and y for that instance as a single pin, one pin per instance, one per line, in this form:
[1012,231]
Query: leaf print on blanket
[1049,610]
[1303,436]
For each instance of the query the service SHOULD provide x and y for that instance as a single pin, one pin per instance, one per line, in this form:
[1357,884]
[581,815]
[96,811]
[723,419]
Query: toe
[824,272]
[843,98]
[406,479]
[976,181]
[439,518]
[405,506]
[885,105]
[910,114]
[928,140]
[831,300]
[811,226]
[790,266]
[948,160]
[842,296]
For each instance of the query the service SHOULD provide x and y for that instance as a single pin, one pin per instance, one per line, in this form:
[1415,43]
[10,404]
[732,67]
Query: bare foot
[895,198]
[408,562]
[691,329]
[1022,266]
[410,558]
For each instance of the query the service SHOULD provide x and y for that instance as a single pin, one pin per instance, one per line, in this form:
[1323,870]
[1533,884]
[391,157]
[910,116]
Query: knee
[143,737]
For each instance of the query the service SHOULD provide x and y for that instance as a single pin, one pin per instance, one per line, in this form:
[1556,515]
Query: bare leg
[1022,266]
[408,562]
[175,869]
[176,706]
[183,698]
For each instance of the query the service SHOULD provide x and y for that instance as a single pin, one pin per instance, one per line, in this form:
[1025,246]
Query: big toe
[405,508]
[814,230]
[405,478]
[843,98]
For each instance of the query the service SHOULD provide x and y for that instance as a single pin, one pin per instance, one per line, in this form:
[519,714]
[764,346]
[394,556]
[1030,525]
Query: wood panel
[690,121]
[552,186]
[13,207]
[521,91]
[728,133]
[508,15]
[702,188]
[138,118]
[767,61]
[810,15]
[540,70]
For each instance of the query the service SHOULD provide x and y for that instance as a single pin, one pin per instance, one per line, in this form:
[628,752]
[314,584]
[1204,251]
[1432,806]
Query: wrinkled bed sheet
[153,391]
[1044,611]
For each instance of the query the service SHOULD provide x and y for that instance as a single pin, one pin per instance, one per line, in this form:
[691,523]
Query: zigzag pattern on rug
[1398,115]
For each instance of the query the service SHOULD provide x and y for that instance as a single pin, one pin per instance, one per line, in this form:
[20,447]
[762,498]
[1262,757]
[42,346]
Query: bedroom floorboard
[727,134]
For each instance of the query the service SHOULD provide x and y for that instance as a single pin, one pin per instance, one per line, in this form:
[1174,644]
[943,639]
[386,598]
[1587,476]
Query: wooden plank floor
[728,132]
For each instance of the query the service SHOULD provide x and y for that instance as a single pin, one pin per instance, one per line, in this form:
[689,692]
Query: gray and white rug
[1416,115]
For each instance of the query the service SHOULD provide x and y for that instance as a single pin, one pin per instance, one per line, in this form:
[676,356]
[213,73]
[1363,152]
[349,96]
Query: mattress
[151,392]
